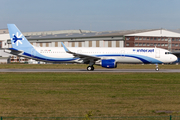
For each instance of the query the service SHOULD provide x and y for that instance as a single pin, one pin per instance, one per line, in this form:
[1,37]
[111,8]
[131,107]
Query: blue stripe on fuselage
[42,57]
[144,59]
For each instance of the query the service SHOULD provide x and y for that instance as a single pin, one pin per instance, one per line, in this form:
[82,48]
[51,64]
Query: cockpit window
[168,53]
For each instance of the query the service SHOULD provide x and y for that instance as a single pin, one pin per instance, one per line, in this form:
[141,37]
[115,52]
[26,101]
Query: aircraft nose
[174,58]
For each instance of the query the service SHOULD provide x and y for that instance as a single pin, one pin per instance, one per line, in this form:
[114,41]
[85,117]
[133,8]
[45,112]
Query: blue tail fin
[18,41]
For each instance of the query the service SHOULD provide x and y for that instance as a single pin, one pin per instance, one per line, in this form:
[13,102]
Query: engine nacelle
[109,63]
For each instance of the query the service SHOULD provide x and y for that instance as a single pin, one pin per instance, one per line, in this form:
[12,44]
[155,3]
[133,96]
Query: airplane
[105,57]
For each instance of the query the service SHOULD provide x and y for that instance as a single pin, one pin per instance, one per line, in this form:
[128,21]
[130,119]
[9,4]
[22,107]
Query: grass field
[76,94]
[82,66]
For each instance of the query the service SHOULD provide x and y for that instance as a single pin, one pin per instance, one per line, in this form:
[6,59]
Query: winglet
[65,48]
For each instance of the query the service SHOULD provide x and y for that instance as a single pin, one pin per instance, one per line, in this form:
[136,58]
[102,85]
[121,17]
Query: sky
[94,15]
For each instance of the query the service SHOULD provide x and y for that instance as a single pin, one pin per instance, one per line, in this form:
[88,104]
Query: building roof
[57,32]
[92,35]
[157,33]
[4,31]
[87,34]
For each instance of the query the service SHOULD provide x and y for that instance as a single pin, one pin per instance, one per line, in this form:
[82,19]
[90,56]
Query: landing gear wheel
[157,69]
[90,68]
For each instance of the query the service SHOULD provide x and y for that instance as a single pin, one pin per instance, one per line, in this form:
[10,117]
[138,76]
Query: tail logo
[17,38]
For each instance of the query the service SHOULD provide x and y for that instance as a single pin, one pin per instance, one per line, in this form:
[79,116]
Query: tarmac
[95,71]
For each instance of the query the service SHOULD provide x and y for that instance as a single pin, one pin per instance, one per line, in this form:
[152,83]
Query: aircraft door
[157,53]
[79,51]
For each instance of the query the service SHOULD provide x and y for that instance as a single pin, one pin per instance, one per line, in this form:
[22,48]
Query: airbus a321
[106,57]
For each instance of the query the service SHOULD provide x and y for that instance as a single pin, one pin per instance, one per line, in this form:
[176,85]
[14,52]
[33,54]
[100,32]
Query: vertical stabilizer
[18,41]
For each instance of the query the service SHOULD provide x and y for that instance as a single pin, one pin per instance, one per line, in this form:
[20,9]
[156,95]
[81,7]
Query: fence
[95,118]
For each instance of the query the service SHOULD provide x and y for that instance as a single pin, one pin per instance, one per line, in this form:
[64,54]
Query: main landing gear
[90,68]
[157,68]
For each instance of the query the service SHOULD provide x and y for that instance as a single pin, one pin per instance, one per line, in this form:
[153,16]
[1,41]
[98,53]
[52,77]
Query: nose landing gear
[157,68]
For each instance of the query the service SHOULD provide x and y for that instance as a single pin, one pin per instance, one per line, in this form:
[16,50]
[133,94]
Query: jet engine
[109,63]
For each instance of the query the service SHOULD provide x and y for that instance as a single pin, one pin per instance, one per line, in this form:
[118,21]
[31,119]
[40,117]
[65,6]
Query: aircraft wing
[83,57]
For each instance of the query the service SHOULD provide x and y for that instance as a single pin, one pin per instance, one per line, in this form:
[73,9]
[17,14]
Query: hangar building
[160,38]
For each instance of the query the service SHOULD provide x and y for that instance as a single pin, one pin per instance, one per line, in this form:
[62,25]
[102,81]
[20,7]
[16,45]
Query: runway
[95,71]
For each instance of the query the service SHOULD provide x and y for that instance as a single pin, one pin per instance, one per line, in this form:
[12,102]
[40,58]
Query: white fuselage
[121,55]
